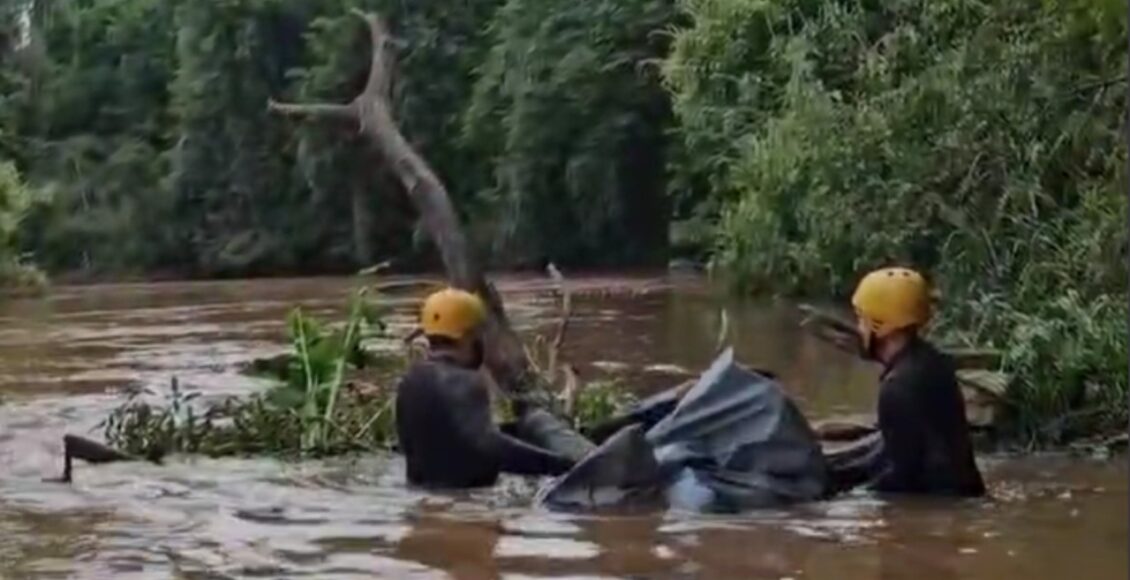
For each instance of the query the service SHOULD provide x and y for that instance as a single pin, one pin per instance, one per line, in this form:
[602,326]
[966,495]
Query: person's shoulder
[432,367]
[935,359]
[432,379]
[422,374]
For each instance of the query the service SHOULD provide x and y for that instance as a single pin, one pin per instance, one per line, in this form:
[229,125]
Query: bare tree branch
[313,110]
[379,83]
[563,324]
[505,355]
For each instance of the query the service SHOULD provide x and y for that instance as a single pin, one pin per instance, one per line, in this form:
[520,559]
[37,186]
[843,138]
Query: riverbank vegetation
[16,274]
[981,142]
[790,143]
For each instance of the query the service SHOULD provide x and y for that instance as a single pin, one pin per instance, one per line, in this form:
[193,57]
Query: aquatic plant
[600,400]
[247,426]
[314,411]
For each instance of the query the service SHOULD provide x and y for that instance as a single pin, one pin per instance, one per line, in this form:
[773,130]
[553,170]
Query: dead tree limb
[371,112]
[563,324]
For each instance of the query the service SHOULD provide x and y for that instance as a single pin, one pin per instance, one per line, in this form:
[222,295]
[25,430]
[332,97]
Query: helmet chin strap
[868,345]
[868,349]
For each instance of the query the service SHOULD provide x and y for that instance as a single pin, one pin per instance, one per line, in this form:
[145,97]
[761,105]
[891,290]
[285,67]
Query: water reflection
[462,547]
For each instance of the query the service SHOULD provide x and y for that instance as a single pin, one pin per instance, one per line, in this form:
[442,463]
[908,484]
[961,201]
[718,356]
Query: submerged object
[622,473]
[734,442]
[76,447]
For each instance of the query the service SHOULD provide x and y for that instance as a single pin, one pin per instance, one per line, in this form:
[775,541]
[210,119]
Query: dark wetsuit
[444,424]
[926,445]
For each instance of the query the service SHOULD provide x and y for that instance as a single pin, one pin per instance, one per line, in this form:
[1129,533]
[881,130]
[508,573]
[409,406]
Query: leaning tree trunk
[371,113]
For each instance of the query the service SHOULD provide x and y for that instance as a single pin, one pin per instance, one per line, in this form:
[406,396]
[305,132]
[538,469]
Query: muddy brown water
[65,360]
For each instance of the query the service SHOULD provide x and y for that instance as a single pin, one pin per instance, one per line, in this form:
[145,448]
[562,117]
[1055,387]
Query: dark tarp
[734,442]
[622,473]
[856,464]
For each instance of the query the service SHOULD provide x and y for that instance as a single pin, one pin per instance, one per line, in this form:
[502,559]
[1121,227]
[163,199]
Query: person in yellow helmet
[443,415]
[925,447]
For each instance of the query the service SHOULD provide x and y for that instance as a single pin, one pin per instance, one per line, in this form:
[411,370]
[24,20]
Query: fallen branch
[722,339]
[90,451]
[563,324]
[371,111]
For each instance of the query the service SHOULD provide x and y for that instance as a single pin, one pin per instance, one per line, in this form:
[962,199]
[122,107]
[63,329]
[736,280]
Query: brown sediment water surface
[68,358]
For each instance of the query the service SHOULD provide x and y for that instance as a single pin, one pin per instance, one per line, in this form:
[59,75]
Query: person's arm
[475,425]
[900,422]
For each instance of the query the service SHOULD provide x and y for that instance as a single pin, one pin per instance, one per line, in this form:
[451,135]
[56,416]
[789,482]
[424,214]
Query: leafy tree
[570,106]
[89,122]
[15,199]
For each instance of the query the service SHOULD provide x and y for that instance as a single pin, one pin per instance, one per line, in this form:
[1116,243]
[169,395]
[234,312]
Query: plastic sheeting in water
[734,442]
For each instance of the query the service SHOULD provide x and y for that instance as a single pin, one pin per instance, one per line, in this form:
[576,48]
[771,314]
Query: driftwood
[371,112]
[563,324]
[75,447]
[848,428]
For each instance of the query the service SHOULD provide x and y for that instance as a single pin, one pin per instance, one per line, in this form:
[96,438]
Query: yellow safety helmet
[891,299]
[451,313]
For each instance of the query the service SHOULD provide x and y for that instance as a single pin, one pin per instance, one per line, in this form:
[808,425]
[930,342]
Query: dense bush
[979,141]
[15,199]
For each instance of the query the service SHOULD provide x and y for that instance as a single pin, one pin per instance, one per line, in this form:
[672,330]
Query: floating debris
[667,369]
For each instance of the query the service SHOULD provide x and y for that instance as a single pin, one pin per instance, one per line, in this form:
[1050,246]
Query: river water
[66,359]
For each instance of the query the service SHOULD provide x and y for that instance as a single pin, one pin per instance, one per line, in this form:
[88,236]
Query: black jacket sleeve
[903,445]
[511,454]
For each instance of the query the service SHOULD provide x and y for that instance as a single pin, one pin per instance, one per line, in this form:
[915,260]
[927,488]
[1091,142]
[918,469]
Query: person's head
[451,319]
[891,306]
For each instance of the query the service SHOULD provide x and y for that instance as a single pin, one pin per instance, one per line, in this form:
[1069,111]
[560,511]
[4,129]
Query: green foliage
[1068,357]
[317,373]
[15,200]
[980,142]
[599,401]
[240,208]
[311,413]
[245,427]
[89,124]
[147,120]
[569,104]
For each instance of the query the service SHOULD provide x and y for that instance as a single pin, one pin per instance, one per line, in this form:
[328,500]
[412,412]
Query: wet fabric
[622,473]
[926,443]
[445,430]
[734,442]
[855,464]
